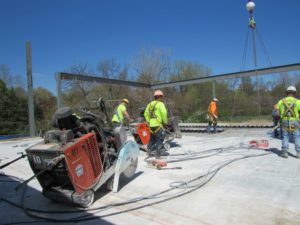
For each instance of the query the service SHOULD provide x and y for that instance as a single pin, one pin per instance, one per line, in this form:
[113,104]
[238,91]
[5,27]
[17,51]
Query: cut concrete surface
[261,190]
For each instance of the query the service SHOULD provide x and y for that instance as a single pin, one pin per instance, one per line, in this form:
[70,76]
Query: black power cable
[86,218]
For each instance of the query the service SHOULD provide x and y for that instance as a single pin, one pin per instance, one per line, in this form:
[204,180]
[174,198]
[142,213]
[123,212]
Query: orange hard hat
[158,93]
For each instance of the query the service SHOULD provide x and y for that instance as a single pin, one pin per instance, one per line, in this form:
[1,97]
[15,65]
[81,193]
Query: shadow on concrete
[103,190]
[292,155]
[12,212]
[278,152]
[174,144]
[275,151]
[125,180]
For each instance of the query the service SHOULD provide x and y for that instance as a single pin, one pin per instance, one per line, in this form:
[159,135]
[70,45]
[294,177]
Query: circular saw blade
[130,170]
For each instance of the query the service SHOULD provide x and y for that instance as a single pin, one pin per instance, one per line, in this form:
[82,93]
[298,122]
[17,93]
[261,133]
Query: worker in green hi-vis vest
[120,113]
[289,108]
[157,117]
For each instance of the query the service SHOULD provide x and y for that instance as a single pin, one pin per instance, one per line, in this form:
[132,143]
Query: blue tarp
[4,137]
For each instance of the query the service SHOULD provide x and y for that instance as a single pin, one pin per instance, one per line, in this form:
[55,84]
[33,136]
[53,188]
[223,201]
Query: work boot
[164,153]
[166,146]
[298,155]
[208,130]
[149,152]
[157,154]
[284,154]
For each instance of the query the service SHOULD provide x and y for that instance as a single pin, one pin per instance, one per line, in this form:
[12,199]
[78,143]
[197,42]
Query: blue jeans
[156,142]
[286,133]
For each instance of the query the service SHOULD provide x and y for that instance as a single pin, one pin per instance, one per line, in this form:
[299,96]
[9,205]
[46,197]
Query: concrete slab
[261,190]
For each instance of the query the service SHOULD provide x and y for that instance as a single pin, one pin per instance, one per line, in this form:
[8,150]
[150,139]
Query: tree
[109,68]
[153,66]
[9,79]
[247,86]
[191,101]
[13,111]
[5,75]
[46,106]
[77,94]
[186,70]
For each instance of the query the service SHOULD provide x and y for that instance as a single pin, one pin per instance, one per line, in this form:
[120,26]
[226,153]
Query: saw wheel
[130,170]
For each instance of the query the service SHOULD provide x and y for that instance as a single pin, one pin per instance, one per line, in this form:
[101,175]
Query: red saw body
[141,133]
[84,162]
[79,157]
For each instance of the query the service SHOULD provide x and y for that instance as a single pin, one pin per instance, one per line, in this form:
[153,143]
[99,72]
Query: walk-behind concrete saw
[82,155]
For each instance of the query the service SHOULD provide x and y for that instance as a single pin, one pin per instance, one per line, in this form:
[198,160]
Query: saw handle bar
[53,163]
[7,164]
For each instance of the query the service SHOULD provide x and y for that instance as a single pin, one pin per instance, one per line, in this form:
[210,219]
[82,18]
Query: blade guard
[143,131]
[128,154]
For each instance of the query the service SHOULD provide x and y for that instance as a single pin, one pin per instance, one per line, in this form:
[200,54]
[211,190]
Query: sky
[212,32]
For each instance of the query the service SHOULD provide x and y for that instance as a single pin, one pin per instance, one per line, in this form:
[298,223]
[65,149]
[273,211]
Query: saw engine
[92,155]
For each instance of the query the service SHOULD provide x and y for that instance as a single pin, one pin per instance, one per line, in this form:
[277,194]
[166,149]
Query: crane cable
[242,68]
[253,26]
[256,76]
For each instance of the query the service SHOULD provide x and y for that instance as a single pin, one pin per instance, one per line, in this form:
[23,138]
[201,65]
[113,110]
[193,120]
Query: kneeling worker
[157,117]
[120,112]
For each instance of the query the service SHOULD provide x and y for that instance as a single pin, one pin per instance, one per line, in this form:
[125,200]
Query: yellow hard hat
[125,100]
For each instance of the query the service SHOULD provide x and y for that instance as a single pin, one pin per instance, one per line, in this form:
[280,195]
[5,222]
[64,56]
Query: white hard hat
[291,89]
[215,99]
[158,93]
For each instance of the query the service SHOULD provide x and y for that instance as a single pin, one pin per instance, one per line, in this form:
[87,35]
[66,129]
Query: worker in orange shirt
[212,115]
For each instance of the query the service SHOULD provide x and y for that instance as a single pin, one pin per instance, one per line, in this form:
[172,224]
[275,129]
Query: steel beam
[90,78]
[248,73]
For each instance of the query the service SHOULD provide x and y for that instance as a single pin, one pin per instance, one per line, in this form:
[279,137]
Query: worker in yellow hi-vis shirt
[157,117]
[289,108]
[120,113]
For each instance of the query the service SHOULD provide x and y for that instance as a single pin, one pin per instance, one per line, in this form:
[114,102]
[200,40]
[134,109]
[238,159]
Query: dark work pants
[214,123]
[116,124]
[156,142]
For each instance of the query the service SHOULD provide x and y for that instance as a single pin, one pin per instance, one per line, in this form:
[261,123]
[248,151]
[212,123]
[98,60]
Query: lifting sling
[289,112]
